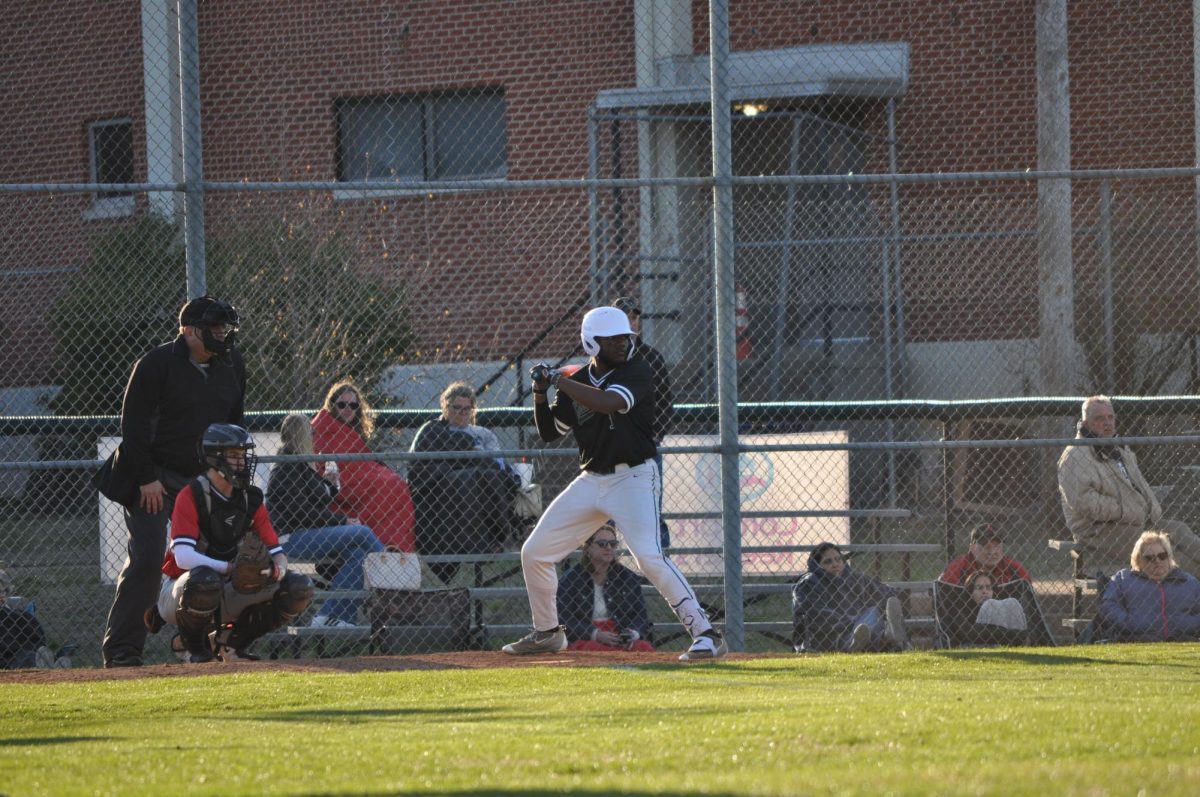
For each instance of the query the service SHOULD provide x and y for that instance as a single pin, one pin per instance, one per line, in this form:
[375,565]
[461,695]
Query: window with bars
[427,137]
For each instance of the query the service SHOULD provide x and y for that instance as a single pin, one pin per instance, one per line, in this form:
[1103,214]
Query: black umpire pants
[139,582]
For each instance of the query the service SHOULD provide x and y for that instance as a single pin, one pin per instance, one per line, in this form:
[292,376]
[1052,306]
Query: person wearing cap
[664,397]
[986,554]
[1106,500]
[175,392]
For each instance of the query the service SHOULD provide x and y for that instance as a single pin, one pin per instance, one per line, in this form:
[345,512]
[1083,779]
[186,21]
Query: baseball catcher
[227,579]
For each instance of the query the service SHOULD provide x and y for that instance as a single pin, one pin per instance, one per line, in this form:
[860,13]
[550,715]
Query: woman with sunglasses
[463,505]
[367,489]
[600,602]
[1152,599]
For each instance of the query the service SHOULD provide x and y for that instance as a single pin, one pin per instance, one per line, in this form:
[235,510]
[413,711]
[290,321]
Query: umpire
[175,391]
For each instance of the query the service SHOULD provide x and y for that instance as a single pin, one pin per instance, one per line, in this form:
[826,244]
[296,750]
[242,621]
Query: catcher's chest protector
[223,521]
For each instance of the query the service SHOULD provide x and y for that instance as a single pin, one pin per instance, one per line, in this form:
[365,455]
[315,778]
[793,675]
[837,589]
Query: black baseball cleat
[229,654]
[129,660]
[154,621]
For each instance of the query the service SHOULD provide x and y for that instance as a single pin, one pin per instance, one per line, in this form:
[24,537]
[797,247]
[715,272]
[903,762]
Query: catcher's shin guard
[198,604]
[294,595]
[291,599]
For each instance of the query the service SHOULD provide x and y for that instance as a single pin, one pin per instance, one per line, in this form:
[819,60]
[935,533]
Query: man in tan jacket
[1108,503]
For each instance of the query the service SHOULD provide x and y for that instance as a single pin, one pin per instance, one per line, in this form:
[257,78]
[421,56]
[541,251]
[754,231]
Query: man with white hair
[1107,501]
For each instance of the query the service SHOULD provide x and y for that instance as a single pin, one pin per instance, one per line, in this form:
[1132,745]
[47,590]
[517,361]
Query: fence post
[193,161]
[725,303]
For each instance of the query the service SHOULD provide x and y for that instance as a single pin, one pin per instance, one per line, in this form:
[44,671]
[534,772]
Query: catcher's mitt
[252,570]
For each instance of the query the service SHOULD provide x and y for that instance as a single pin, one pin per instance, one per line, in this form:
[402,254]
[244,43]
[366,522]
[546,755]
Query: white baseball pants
[629,498]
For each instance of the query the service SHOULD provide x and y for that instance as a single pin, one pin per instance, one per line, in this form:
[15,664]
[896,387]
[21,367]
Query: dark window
[445,136]
[111,145]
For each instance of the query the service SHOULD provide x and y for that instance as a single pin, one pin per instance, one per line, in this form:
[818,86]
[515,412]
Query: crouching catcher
[227,579]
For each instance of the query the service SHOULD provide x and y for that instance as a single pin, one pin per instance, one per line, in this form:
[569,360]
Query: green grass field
[1087,720]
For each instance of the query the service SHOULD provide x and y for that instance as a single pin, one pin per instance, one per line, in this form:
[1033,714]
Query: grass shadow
[367,713]
[1057,659]
[43,741]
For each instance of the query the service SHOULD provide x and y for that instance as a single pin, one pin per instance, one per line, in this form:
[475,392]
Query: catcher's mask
[207,313]
[221,437]
[604,322]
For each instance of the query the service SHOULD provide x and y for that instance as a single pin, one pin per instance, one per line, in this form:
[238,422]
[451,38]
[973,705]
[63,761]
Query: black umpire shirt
[170,401]
[605,441]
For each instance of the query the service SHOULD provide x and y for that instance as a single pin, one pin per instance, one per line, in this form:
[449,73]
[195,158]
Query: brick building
[522,90]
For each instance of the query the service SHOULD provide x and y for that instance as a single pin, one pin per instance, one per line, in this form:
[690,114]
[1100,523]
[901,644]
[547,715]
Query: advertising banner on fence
[770,481]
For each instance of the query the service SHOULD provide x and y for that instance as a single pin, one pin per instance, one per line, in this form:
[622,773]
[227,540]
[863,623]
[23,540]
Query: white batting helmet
[602,322]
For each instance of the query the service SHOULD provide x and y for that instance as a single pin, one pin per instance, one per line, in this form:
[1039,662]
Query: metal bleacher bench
[293,636]
[1080,585]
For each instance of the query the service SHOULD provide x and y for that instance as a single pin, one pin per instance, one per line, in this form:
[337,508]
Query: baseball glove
[252,570]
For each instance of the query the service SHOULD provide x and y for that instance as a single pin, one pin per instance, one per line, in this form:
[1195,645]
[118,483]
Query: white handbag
[393,570]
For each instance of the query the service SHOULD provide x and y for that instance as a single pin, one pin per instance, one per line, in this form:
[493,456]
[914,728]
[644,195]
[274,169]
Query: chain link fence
[936,214]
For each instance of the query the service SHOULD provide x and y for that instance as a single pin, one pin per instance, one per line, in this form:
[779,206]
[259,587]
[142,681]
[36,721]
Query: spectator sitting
[22,640]
[1152,599]
[1106,500]
[298,503]
[997,621]
[463,505]
[836,608]
[600,602]
[369,490]
[986,553]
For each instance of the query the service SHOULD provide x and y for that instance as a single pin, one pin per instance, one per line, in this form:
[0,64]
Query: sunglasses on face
[462,407]
[605,543]
[346,405]
[1161,556]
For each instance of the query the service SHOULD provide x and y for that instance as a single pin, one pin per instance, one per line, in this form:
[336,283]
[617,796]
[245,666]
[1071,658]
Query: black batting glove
[540,376]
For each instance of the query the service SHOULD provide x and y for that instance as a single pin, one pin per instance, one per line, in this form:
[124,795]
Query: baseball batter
[609,406]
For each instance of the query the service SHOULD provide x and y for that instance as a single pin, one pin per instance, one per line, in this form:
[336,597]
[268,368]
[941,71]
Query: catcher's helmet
[207,312]
[603,322]
[219,438]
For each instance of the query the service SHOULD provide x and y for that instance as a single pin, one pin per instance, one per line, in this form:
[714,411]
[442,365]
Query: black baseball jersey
[664,398]
[605,441]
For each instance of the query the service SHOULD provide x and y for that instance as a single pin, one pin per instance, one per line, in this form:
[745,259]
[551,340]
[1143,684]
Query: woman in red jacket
[368,489]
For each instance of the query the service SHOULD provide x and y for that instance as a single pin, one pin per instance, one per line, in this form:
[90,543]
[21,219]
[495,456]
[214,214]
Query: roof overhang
[840,70]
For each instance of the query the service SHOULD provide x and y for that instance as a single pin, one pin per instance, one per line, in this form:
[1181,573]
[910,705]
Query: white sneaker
[860,640]
[552,641]
[706,646]
[896,630]
[325,621]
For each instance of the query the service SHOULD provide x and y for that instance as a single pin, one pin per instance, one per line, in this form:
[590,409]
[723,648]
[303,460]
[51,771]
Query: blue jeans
[350,544]
[872,618]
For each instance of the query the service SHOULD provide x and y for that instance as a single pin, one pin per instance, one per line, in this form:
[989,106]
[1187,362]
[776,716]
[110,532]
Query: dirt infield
[432,661]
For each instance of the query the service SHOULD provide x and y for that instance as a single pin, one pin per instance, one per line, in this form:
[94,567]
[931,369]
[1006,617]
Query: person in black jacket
[837,608]
[600,602]
[298,502]
[174,393]
[21,635]
[462,505]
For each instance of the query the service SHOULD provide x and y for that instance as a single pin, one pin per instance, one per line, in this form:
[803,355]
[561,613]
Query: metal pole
[193,162]
[1106,262]
[784,280]
[726,308]
[893,299]
[593,207]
